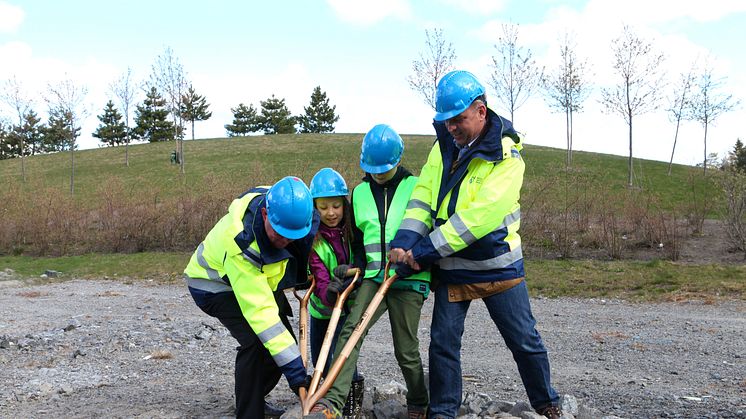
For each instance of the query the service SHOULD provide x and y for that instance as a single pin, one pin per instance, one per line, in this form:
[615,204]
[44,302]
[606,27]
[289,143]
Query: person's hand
[305,383]
[336,286]
[404,271]
[399,255]
[341,271]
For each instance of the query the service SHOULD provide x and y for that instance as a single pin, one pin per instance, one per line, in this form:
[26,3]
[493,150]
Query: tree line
[641,86]
[170,103]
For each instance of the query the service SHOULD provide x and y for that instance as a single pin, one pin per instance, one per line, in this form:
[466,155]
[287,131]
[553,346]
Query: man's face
[384,177]
[278,241]
[467,125]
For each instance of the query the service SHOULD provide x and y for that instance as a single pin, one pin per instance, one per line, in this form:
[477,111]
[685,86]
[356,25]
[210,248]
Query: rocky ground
[141,349]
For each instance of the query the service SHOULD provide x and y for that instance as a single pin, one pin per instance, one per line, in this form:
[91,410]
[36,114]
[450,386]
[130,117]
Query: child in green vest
[378,205]
[331,250]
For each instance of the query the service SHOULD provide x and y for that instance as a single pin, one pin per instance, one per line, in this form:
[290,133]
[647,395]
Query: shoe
[416,412]
[551,412]
[272,412]
[323,409]
[353,408]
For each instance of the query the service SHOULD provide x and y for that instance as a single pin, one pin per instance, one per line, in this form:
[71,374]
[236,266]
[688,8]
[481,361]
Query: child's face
[331,210]
[384,177]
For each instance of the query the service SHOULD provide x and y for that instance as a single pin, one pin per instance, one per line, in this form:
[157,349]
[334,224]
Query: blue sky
[361,53]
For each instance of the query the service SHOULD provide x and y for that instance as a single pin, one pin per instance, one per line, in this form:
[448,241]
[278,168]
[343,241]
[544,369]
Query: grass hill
[145,220]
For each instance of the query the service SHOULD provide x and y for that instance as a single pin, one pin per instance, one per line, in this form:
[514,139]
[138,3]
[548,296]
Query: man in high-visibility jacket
[237,275]
[462,222]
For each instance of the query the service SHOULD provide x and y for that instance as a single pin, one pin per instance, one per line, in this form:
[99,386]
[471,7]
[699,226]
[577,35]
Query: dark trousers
[256,373]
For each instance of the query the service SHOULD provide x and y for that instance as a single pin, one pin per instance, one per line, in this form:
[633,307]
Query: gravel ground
[84,348]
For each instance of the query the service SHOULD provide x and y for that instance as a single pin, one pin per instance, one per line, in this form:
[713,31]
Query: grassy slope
[249,161]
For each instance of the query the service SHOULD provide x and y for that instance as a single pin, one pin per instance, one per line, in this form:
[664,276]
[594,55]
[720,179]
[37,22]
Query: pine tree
[31,132]
[194,108]
[112,130]
[245,121]
[319,116]
[738,156]
[151,119]
[5,151]
[59,135]
[276,117]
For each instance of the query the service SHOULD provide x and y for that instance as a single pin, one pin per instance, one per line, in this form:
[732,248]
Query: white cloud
[11,17]
[477,7]
[369,12]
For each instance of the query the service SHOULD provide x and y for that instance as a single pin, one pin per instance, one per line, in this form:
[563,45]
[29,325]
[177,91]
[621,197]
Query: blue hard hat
[290,208]
[382,149]
[456,91]
[327,182]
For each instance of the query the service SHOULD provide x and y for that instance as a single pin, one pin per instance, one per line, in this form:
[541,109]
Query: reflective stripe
[506,259]
[271,332]
[211,273]
[287,355]
[320,308]
[207,285]
[510,219]
[462,230]
[375,265]
[440,243]
[375,248]
[250,260]
[416,203]
[415,226]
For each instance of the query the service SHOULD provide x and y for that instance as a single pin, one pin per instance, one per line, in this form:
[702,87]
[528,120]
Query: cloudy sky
[360,52]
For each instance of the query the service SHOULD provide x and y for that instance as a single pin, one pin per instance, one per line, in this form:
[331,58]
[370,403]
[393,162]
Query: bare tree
[679,103]
[639,67]
[67,98]
[14,96]
[432,65]
[515,72]
[169,77]
[708,102]
[124,90]
[567,87]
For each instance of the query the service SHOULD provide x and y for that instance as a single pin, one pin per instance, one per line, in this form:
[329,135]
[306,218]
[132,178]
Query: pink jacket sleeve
[319,271]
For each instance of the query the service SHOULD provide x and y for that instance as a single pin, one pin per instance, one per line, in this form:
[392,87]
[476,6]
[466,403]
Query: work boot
[323,409]
[551,412]
[353,408]
[272,412]
[416,412]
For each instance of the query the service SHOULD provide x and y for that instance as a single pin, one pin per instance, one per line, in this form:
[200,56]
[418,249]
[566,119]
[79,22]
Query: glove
[404,271]
[336,286]
[301,384]
[341,271]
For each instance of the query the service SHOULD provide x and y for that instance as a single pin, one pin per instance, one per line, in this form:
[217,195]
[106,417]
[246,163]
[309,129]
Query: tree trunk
[567,134]
[629,164]
[72,167]
[673,149]
[704,164]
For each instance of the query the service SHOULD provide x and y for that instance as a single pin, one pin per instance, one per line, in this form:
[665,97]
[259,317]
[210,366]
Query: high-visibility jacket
[463,217]
[316,307]
[237,256]
[376,239]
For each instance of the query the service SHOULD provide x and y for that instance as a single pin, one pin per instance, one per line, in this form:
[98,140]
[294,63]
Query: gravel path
[144,350]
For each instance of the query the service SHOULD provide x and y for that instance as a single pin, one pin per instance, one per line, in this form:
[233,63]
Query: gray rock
[569,404]
[585,412]
[390,391]
[476,403]
[520,407]
[51,273]
[389,409]
[531,415]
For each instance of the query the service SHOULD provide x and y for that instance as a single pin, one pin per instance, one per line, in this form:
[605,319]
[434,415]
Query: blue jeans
[511,312]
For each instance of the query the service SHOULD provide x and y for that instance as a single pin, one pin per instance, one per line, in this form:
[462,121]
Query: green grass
[628,280]
[250,161]
[635,281]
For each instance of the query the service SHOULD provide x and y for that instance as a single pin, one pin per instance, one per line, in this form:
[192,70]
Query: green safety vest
[317,308]
[366,218]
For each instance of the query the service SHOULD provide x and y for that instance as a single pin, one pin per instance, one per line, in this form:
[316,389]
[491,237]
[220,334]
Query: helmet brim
[292,234]
[444,116]
[377,169]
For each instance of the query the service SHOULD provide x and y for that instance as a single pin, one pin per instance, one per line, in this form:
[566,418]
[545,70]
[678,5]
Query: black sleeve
[358,247]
